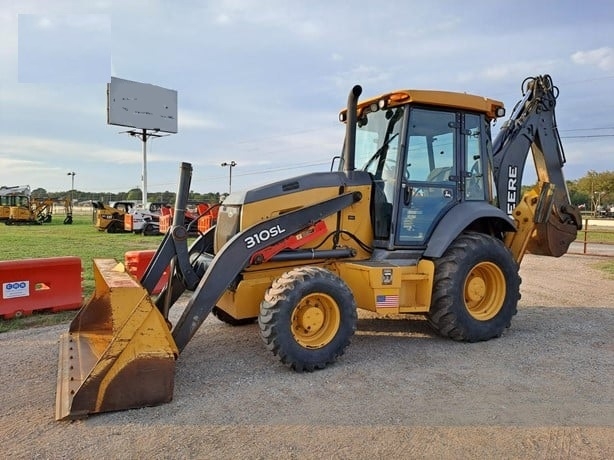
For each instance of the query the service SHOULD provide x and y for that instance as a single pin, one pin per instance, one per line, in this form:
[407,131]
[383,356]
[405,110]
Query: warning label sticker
[15,289]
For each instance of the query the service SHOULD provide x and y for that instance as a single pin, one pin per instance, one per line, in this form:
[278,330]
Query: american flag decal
[387,301]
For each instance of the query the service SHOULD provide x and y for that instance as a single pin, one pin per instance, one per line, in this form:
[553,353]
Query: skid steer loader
[424,216]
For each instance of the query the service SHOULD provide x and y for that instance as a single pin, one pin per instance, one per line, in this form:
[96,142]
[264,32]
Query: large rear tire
[307,318]
[476,289]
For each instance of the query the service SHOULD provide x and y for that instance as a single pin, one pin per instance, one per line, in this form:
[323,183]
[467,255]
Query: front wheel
[307,318]
[476,289]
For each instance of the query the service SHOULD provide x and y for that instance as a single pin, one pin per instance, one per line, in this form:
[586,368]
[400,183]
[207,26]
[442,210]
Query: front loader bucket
[118,353]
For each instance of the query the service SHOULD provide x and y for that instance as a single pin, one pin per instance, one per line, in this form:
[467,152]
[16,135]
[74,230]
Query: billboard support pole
[143,136]
[144,179]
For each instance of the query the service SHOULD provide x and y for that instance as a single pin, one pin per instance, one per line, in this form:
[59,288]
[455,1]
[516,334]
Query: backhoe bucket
[119,352]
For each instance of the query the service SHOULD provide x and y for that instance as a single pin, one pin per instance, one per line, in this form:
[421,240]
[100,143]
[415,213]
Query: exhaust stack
[349,150]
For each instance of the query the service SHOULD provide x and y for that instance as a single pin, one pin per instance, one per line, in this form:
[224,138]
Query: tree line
[592,192]
[131,195]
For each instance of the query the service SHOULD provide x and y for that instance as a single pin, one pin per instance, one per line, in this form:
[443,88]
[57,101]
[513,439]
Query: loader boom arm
[230,261]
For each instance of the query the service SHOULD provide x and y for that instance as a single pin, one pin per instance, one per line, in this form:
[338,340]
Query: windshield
[377,141]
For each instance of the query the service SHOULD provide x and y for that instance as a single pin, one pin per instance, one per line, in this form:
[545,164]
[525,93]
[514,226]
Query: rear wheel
[307,318]
[476,289]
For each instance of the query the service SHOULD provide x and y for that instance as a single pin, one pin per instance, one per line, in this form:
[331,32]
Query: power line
[286,168]
[585,129]
[605,77]
[587,136]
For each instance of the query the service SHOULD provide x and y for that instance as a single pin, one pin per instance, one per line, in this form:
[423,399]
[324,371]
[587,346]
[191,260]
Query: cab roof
[446,99]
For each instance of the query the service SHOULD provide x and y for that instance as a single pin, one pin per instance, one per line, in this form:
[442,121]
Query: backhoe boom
[547,222]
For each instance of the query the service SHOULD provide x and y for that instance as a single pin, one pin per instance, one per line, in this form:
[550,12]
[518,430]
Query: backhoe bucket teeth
[118,353]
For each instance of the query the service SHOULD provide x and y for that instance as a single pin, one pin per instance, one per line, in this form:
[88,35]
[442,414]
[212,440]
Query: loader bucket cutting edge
[118,353]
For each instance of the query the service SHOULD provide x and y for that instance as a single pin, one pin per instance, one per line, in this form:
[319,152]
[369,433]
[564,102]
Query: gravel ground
[543,390]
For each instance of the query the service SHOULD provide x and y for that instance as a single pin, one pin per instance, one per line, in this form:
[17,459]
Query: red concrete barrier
[28,285]
[136,263]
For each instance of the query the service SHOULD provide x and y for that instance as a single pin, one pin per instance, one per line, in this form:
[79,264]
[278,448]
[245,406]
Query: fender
[459,218]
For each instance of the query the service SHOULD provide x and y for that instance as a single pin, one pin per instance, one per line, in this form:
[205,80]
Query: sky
[261,83]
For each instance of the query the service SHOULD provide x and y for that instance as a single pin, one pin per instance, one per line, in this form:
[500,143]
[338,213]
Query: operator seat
[381,214]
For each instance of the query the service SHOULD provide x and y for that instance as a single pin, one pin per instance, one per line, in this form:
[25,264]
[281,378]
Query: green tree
[134,194]
[578,197]
[39,193]
[598,187]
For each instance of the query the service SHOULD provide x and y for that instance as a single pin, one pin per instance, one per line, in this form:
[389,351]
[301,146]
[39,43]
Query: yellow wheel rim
[484,291]
[315,320]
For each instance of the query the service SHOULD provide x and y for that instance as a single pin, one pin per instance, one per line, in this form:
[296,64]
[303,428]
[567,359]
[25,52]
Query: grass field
[54,239]
[597,234]
[81,239]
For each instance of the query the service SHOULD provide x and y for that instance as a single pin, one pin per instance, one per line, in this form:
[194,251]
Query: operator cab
[424,159]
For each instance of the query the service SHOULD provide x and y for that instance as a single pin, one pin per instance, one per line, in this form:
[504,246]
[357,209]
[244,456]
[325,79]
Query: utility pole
[68,218]
[72,184]
[230,165]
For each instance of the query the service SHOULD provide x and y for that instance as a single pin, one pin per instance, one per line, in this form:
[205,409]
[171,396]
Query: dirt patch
[543,390]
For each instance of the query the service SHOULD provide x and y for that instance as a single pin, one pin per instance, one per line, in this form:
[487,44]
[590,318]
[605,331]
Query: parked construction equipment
[30,211]
[110,217]
[424,216]
[67,202]
[144,220]
[12,196]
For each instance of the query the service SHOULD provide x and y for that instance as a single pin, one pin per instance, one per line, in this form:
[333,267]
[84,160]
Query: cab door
[430,183]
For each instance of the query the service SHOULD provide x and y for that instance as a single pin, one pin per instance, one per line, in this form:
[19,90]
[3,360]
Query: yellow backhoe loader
[424,216]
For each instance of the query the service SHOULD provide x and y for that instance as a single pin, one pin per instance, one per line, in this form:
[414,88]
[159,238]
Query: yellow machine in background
[30,211]
[110,218]
[10,197]
[424,216]
[68,208]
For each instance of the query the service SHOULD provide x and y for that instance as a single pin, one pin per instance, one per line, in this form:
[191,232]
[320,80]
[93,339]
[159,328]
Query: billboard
[141,105]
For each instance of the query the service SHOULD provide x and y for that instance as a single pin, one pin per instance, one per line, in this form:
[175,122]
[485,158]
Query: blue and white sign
[15,289]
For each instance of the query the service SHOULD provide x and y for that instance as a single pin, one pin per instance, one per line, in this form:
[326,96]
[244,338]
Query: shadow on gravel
[398,325]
